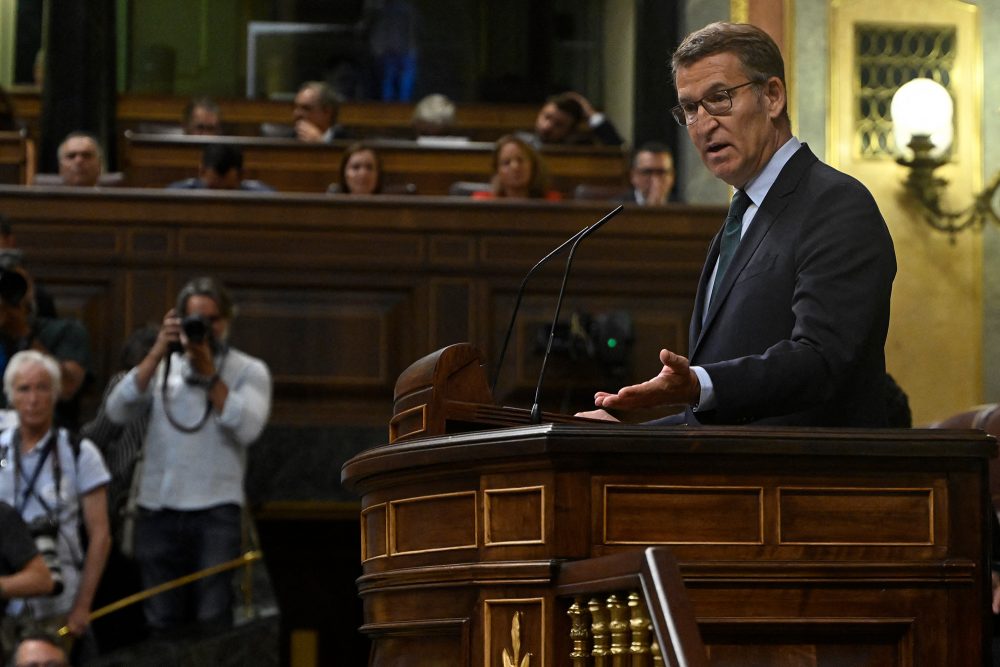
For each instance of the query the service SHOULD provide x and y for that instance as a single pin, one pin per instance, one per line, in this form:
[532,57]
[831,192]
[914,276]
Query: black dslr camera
[195,327]
[45,532]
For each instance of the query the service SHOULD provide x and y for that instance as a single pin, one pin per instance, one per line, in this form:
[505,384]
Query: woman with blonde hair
[519,172]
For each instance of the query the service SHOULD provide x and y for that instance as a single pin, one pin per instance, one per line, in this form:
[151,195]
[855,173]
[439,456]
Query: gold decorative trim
[855,489]
[364,532]
[487,524]
[515,659]
[681,487]
[488,606]
[791,69]
[8,38]
[393,504]
[739,11]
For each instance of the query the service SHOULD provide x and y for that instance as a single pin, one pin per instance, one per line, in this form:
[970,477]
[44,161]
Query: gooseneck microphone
[520,290]
[536,411]
[520,293]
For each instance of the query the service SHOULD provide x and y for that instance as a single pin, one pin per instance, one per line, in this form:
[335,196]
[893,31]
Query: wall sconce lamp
[922,113]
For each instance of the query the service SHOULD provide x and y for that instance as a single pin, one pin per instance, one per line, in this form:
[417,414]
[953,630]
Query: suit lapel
[768,212]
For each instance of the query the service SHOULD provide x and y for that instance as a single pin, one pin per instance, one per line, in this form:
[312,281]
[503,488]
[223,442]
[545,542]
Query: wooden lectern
[823,547]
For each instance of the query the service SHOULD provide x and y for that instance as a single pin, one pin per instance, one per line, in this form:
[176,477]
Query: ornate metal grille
[888,57]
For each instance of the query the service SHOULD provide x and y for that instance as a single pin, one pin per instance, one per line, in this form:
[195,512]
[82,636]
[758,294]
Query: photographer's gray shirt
[79,477]
[194,471]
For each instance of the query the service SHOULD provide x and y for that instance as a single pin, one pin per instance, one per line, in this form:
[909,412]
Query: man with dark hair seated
[202,116]
[652,175]
[221,169]
[558,119]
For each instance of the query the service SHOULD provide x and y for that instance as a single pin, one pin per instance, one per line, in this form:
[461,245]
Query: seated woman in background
[519,172]
[360,172]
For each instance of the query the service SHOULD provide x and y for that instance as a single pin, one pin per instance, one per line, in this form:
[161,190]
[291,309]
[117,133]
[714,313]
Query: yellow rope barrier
[245,559]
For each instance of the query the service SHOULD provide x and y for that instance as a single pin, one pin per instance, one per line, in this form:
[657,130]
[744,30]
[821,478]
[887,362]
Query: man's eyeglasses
[718,103]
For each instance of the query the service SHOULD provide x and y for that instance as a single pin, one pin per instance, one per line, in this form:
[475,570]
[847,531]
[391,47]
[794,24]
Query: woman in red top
[519,172]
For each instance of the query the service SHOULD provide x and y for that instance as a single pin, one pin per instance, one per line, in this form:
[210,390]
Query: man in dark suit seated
[559,117]
[81,160]
[792,307]
[202,117]
[221,169]
[652,175]
[315,113]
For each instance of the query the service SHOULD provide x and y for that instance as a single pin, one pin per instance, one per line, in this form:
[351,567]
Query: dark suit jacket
[796,333]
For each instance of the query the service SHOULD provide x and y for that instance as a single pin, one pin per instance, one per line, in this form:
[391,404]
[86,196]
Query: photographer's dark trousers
[171,544]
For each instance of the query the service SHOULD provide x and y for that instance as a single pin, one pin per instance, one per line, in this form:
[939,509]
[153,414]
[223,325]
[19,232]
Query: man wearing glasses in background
[652,175]
[792,307]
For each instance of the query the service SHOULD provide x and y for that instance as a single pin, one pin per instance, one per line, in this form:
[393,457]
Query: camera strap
[29,490]
[53,514]
[192,428]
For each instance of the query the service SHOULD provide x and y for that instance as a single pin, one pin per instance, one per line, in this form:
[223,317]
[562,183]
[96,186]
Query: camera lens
[195,328]
[46,535]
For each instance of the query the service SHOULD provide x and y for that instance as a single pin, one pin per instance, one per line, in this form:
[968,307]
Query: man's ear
[775,96]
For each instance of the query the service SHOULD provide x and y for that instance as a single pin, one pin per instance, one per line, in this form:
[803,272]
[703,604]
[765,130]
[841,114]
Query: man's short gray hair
[26,358]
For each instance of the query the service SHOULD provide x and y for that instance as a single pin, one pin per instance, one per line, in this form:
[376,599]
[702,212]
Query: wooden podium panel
[797,547]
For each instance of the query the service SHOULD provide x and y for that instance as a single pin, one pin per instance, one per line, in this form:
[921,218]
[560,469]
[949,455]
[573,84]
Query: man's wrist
[695,396]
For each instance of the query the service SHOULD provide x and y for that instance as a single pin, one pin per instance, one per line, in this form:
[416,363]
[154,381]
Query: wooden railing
[630,610]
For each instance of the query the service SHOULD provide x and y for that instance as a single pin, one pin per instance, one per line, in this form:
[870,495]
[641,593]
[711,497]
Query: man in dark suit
[652,175]
[792,307]
[561,115]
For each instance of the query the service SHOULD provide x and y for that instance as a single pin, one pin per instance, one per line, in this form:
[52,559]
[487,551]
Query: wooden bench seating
[154,160]
[13,158]
[242,117]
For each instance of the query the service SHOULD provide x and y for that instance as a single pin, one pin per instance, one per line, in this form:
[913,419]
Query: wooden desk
[340,294]
[478,121]
[13,158]
[292,166]
[807,547]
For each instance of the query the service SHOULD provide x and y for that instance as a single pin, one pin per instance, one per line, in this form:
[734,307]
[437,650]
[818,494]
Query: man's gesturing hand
[676,383]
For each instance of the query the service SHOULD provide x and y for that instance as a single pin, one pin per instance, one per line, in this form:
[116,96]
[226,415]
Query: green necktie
[731,233]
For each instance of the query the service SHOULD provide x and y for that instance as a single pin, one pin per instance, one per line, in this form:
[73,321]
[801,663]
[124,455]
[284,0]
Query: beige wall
[619,63]
[935,338]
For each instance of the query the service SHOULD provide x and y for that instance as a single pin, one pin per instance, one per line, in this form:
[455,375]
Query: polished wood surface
[243,117]
[340,294]
[153,160]
[446,392]
[13,158]
[806,547]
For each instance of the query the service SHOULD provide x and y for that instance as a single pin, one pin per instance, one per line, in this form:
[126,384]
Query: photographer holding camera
[54,481]
[207,402]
